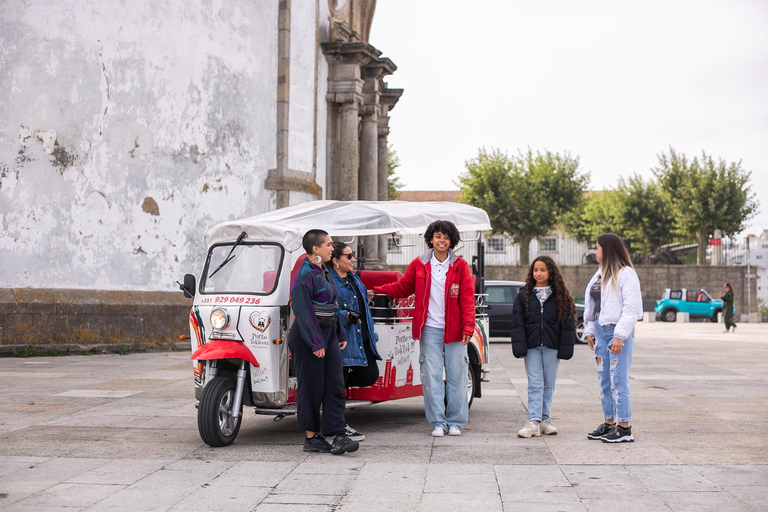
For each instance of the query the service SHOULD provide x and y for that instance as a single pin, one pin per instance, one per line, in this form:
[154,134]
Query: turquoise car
[697,303]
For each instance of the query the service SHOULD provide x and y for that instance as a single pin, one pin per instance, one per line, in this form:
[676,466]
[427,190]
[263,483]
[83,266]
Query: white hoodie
[622,305]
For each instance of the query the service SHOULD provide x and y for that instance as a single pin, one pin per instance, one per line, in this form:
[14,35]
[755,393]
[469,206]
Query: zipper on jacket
[542,322]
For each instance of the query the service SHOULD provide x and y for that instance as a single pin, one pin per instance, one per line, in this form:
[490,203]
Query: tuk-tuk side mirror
[189,286]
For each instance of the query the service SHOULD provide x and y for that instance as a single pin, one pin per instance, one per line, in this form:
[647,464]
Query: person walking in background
[727,297]
[613,305]
[360,355]
[443,322]
[316,341]
[543,332]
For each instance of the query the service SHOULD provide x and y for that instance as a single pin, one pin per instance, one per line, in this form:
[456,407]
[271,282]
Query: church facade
[128,129]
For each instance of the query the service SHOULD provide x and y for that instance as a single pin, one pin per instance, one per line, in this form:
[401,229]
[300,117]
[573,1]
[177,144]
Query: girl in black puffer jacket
[543,332]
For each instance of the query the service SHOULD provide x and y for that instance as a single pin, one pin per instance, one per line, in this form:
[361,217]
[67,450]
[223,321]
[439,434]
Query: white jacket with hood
[621,305]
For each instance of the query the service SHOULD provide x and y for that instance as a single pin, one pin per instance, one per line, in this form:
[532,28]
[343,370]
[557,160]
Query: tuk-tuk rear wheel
[215,422]
[470,385]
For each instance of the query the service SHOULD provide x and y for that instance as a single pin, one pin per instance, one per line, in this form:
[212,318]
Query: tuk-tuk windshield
[252,268]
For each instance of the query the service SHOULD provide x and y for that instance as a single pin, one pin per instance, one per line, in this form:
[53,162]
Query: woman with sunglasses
[360,355]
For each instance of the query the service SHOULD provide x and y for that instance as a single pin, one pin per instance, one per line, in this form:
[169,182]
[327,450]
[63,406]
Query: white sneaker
[530,429]
[547,428]
[353,434]
[438,432]
[454,431]
[726,331]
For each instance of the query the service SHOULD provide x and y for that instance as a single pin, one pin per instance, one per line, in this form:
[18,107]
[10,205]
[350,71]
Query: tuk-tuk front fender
[224,349]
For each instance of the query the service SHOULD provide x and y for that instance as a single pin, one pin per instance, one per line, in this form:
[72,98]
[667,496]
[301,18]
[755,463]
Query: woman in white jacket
[613,304]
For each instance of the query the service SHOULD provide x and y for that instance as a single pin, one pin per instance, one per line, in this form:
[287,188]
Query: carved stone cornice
[383,66]
[389,97]
[358,52]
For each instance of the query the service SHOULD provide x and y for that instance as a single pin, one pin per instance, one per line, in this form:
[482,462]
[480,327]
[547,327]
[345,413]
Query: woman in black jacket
[543,332]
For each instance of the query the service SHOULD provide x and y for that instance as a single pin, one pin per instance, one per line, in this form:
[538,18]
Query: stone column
[348,144]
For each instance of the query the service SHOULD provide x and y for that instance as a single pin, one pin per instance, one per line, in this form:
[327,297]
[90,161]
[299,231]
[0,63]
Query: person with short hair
[316,341]
[612,306]
[443,322]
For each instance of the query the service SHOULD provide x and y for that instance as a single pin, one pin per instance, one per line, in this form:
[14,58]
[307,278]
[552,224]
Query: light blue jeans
[613,373]
[445,403]
[541,364]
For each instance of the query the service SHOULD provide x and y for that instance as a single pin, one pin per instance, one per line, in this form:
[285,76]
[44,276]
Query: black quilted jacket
[540,327]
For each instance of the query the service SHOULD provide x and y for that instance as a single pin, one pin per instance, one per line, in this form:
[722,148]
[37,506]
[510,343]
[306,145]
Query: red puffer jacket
[459,295]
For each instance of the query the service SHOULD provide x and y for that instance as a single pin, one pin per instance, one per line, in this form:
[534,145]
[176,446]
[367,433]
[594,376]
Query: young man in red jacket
[443,322]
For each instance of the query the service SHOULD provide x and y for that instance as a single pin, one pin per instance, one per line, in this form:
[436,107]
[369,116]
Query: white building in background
[499,249]
[758,249]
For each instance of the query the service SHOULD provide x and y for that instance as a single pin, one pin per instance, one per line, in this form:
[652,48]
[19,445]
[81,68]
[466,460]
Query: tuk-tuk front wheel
[215,422]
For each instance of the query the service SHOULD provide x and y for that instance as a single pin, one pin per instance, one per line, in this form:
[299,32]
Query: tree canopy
[525,195]
[706,195]
[393,182]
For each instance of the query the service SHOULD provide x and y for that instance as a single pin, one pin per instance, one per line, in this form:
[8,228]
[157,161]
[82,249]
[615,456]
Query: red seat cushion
[371,278]
[269,280]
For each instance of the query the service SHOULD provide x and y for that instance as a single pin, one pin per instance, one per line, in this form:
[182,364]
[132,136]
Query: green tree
[706,195]
[524,195]
[646,214]
[393,182]
[600,212]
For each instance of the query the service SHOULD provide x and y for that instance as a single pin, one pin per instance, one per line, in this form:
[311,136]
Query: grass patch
[26,351]
[123,351]
[57,352]
[87,353]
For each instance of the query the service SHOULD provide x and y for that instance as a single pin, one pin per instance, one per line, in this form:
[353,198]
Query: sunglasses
[349,256]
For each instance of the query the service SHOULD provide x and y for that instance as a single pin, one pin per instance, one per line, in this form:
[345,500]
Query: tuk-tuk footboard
[291,408]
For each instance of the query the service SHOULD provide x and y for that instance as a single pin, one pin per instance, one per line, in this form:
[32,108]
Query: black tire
[471,385]
[580,328]
[717,312]
[215,423]
[669,315]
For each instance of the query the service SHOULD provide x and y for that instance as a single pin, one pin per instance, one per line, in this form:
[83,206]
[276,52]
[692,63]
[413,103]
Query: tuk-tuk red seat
[268,278]
[371,278]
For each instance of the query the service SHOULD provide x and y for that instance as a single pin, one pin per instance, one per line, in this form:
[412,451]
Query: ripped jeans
[445,403]
[613,373]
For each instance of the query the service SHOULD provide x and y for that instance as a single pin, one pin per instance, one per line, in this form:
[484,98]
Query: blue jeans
[541,365]
[613,373]
[445,403]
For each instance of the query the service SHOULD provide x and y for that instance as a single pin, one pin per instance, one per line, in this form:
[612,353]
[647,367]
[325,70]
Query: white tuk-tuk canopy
[347,219]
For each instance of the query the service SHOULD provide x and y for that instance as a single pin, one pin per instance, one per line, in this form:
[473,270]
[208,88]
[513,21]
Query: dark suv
[499,297]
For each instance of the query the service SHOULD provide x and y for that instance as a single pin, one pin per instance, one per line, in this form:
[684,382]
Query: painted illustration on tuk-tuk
[241,313]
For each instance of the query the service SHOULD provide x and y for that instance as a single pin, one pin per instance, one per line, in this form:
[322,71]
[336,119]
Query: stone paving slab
[119,433]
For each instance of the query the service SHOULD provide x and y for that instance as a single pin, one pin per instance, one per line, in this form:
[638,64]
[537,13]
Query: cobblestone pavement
[114,432]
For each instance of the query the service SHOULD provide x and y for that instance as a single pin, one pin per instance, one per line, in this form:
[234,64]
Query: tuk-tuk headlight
[219,318]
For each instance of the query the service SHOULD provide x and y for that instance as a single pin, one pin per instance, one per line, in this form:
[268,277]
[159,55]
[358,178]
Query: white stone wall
[127,129]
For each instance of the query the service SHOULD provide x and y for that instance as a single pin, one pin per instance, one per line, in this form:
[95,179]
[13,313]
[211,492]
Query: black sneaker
[601,431]
[619,435]
[353,434]
[316,444]
[342,444]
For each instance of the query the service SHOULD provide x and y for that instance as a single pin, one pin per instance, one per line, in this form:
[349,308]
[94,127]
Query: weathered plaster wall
[129,128]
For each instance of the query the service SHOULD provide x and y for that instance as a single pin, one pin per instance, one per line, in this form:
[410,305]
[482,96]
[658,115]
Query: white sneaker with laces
[353,434]
[438,432]
[454,431]
[547,428]
[531,429]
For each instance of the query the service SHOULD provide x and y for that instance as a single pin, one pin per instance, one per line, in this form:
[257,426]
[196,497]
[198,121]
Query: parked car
[499,298]
[697,303]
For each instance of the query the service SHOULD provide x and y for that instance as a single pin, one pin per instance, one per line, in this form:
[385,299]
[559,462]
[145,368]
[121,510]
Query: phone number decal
[231,300]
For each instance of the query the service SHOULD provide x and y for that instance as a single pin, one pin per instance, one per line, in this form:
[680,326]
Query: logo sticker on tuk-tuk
[260,320]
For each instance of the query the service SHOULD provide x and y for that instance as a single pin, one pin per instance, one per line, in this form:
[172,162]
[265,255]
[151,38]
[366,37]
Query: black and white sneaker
[619,435]
[601,431]
[353,434]
[316,444]
[343,444]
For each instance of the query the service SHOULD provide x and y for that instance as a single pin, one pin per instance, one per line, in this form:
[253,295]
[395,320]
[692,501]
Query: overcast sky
[614,83]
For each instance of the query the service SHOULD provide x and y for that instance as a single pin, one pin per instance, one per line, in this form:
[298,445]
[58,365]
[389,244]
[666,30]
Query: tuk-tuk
[242,312]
